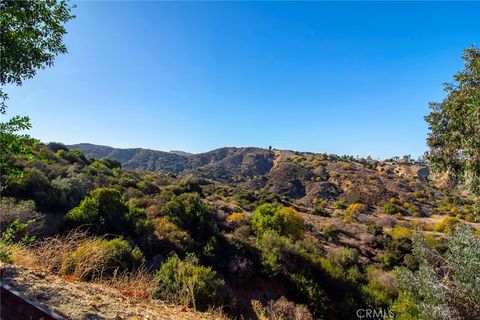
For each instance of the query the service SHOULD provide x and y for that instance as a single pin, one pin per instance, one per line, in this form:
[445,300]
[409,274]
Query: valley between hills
[339,221]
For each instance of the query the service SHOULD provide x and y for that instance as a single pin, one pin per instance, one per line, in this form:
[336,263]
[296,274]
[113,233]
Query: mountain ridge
[303,176]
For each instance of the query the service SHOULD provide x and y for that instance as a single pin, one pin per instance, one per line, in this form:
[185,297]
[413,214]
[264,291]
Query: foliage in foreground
[101,258]
[188,283]
[445,286]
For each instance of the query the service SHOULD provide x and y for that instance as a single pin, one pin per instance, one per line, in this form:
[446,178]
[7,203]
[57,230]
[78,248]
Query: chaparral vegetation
[248,232]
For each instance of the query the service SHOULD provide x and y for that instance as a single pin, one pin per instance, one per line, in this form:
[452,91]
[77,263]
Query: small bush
[187,283]
[281,309]
[356,208]
[5,254]
[188,212]
[235,219]
[102,211]
[447,225]
[339,205]
[283,220]
[69,192]
[167,231]
[469,217]
[380,290]
[390,208]
[33,184]
[401,232]
[101,258]
[16,232]
[274,249]
[21,211]
[331,232]
[321,211]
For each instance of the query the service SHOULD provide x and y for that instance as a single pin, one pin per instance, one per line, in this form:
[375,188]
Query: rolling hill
[303,177]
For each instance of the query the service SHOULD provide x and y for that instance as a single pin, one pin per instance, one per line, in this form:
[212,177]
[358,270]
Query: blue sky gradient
[346,78]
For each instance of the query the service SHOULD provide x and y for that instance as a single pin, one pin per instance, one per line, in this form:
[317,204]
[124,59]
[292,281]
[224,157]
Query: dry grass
[280,309]
[85,300]
[48,255]
[137,284]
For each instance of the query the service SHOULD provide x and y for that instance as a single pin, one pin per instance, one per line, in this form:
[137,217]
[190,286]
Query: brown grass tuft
[47,254]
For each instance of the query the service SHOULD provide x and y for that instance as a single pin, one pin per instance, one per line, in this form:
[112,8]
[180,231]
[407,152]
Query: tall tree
[454,124]
[31,36]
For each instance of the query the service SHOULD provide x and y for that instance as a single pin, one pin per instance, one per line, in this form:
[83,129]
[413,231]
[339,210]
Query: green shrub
[311,291]
[148,187]
[274,250]
[414,211]
[55,146]
[5,254]
[22,211]
[16,232]
[187,283]
[401,232]
[339,205]
[331,232]
[445,286]
[390,208]
[396,249]
[33,184]
[188,212]
[345,257]
[69,192]
[380,289]
[72,156]
[283,220]
[101,258]
[165,230]
[447,225]
[104,211]
[321,211]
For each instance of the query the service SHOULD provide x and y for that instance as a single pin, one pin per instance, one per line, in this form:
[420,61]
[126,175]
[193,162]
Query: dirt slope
[87,301]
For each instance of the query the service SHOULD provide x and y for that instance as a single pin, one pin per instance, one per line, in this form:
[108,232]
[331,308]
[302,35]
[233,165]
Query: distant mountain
[296,175]
[227,164]
[181,153]
[136,158]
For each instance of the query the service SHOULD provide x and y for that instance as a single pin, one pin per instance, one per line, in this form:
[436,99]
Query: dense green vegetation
[174,227]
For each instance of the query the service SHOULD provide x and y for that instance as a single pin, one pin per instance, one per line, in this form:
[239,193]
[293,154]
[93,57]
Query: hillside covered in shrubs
[246,248]
[95,232]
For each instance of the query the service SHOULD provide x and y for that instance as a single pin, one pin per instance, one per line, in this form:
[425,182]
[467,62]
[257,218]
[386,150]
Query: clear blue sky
[346,78]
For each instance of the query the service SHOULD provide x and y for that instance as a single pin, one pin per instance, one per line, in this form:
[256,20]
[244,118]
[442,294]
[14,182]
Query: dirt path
[82,301]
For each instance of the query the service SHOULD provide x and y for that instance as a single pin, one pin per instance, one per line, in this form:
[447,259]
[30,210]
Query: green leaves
[188,283]
[445,286]
[188,212]
[32,36]
[14,144]
[454,124]
[283,220]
